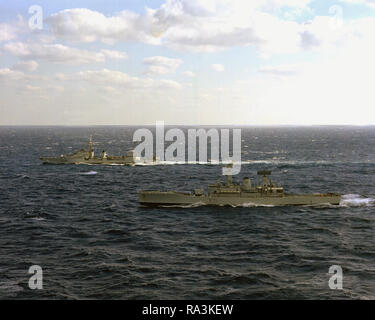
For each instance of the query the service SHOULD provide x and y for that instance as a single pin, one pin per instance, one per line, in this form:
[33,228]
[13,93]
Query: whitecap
[90,173]
[38,219]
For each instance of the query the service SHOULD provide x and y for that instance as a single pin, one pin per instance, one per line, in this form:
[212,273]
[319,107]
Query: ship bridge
[267,186]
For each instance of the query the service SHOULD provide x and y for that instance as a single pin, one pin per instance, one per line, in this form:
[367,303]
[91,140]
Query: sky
[187,62]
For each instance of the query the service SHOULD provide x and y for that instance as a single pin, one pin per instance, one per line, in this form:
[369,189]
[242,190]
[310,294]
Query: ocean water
[83,224]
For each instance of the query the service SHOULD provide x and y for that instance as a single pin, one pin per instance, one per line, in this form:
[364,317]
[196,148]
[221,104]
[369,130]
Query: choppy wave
[101,244]
[9,288]
[275,161]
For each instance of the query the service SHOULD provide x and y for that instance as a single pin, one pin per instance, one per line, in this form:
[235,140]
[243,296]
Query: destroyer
[87,157]
[231,194]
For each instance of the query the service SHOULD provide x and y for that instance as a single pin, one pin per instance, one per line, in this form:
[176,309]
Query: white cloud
[323,34]
[113,54]
[10,31]
[193,25]
[60,53]
[32,88]
[56,87]
[207,26]
[7,32]
[280,70]
[107,76]
[8,74]
[337,81]
[161,65]
[370,3]
[26,66]
[218,67]
[86,25]
[53,53]
[118,78]
[189,74]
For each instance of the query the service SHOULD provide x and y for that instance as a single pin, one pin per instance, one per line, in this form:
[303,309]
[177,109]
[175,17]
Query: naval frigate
[88,157]
[231,194]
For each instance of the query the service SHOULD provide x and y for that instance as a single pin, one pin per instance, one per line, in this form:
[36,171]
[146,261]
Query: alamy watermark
[36,280]
[176,151]
[337,18]
[36,20]
[336,280]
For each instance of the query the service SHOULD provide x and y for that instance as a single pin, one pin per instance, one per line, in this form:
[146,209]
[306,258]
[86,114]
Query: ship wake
[356,200]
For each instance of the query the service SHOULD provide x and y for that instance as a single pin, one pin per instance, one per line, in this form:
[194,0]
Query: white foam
[38,219]
[251,204]
[193,205]
[90,173]
[356,200]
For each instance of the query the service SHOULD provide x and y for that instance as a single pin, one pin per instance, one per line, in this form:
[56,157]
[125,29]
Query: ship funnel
[246,184]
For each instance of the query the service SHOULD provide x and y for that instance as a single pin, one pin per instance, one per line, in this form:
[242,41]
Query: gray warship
[232,194]
[88,157]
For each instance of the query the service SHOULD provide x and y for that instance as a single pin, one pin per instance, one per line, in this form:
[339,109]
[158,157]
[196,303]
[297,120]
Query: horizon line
[187,125]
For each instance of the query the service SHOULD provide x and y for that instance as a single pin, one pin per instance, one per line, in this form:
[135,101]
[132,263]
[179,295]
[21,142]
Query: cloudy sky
[258,62]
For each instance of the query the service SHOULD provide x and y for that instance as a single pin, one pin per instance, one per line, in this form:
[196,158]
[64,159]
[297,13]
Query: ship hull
[58,161]
[158,198]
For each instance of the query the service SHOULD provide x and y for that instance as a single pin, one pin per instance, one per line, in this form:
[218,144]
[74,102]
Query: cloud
[209,26]
[161,65]
[60,53]
[191,25]
[189,74]
[218,67]
[113,54]
[84,25]
[280,70]
[117,78]
[32,88]
[370,3]
[201,26]
[9,74]
[26,66]
[7,32]
[53,53]
[56,88]
[308,40]
[184,25]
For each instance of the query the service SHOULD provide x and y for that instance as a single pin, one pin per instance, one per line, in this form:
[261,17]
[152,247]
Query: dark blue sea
[84,227]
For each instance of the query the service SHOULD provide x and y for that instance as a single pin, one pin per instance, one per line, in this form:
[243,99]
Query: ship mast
[264,173]
[229,176]
[91,150]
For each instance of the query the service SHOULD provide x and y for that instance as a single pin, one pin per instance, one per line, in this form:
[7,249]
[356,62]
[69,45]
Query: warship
[231,194]
[88,157]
